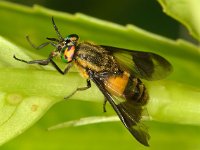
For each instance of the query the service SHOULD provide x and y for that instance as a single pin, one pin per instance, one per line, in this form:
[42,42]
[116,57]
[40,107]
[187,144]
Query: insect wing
[145,65]
[130,115]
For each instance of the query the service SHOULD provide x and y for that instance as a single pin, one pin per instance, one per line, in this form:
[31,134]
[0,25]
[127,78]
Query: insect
[117,72]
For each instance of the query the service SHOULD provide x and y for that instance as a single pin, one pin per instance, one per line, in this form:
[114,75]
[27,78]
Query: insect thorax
[95,58]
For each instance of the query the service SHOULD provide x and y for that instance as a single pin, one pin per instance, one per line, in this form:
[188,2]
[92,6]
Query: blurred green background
[146,14]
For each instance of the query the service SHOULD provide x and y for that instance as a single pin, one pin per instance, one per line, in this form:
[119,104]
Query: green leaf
[174,100]
[19,112]
[186,12]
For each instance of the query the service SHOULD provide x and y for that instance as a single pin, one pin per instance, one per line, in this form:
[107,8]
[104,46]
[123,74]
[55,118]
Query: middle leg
[80,89]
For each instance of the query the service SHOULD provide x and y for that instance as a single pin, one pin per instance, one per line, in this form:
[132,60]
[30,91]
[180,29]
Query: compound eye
[71,39]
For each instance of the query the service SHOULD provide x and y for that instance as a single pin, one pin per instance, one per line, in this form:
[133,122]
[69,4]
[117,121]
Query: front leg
[80,89]
[40,62]
[59,70]
[46,62]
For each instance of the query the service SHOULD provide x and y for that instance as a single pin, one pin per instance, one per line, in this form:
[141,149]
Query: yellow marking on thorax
[89,65]
[82,71]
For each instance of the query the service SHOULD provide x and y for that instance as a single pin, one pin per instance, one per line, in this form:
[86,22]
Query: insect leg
[46,62]
[40,46]
[59,70]
[104,104]
[40,62]
[80,89]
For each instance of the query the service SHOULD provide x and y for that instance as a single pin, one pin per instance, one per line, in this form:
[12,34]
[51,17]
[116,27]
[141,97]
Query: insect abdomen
[128,87]
[136,92]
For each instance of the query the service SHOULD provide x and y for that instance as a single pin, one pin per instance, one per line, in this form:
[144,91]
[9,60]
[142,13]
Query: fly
[117,72]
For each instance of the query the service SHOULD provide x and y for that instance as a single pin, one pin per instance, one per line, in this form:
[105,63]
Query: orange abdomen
[125,86]
[117,84]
